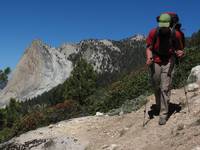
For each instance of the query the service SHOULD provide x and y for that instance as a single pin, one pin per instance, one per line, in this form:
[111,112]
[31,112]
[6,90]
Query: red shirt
[150,38]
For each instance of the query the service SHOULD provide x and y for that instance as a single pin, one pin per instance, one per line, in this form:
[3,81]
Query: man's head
[164,20]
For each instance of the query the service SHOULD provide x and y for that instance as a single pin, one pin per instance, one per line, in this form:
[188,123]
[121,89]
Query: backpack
[167,37]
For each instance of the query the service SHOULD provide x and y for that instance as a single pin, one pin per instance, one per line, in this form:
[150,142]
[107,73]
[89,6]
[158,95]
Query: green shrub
[6,134]
[183,70]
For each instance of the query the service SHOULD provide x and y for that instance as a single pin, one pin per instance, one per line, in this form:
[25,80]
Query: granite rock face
[40,69]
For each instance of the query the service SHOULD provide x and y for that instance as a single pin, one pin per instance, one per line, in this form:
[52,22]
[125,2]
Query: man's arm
[149,57]
[149,40]
[180,52]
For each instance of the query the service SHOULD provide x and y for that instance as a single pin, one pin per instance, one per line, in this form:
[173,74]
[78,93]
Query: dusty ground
[126,132]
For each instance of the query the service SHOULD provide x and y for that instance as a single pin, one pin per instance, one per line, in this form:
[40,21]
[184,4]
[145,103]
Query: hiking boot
[162,120]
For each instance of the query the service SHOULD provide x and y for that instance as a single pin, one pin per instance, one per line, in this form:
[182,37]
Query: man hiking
[164,44]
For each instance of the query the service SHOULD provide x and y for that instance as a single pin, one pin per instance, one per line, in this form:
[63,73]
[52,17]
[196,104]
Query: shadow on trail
[173,108]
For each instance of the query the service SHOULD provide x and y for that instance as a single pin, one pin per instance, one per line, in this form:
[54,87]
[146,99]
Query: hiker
[164,44]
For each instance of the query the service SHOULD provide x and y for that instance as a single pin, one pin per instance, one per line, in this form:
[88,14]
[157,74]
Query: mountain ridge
[43,67]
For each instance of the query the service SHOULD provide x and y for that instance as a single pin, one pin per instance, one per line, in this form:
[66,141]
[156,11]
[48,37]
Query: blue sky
[59,21]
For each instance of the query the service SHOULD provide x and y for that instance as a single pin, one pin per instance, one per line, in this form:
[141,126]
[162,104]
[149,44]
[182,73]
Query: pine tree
[13,111]
[4,74]
[81,83]
[2,119]
[7,70]
[4,77]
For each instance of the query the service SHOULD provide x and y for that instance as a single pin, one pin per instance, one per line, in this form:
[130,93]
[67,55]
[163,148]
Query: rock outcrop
[40,69]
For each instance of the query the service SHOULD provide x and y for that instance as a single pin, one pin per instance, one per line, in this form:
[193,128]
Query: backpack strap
[175,44]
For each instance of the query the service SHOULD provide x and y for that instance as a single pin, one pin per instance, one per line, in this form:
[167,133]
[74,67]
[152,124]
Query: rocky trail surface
[121,132]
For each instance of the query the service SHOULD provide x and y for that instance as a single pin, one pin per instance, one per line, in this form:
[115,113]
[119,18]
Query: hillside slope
[124,132]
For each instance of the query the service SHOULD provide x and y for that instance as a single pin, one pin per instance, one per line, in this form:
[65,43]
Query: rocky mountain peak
[35,45]
[40,69]
[36,42]
[136,38]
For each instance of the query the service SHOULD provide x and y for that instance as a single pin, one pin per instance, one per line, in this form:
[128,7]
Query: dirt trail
[125,132]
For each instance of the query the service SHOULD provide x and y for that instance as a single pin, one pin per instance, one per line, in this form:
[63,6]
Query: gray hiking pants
[162,86]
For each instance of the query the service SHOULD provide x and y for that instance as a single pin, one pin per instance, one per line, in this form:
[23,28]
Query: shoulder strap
[174,44]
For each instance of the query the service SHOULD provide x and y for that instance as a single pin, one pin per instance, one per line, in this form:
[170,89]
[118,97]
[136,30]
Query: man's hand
[179,53]
[149,61]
